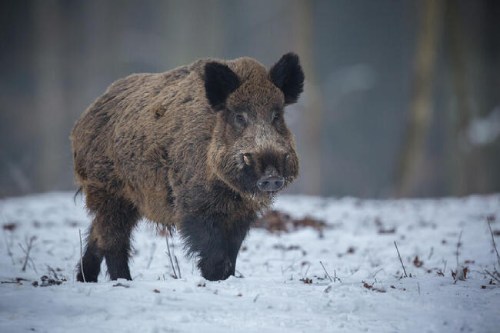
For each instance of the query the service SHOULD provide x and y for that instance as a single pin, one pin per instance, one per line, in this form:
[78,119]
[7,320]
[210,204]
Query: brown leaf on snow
[307,280]
[309,222]
[351,250]
[275,221]
[286,248]
[371,287]
[460,274]
[10,226]
[417,262]
[381,229]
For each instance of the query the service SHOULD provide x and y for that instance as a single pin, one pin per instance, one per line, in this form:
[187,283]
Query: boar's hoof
[215,271]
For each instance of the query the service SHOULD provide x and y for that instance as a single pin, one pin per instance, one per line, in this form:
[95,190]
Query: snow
[272,296]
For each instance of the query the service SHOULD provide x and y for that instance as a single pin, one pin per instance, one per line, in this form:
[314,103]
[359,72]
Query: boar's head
[252,151]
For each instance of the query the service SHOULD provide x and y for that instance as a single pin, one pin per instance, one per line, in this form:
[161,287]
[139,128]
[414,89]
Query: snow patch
[288,282]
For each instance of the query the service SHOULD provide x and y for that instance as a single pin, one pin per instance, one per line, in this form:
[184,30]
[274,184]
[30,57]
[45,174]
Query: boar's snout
[269,170]
[266,171]
[270,183]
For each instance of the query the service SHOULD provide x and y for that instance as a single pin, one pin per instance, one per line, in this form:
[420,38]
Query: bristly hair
[77,193]
[287,75]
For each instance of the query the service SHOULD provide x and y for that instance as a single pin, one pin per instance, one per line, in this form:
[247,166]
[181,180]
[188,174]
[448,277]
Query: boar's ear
[287,75]
[220,81]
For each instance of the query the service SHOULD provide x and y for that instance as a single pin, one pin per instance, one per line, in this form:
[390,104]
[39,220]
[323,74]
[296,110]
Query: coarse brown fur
[187,148]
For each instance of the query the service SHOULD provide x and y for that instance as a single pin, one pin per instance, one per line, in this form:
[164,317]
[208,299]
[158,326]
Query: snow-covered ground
[284,287]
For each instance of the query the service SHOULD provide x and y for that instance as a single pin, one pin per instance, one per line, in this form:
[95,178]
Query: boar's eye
[276,116]
[240,119]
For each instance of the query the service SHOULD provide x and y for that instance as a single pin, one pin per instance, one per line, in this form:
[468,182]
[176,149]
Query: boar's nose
[270,183]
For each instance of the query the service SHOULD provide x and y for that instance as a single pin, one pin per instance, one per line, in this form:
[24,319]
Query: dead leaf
[417,262]
[10,226]
[306,280]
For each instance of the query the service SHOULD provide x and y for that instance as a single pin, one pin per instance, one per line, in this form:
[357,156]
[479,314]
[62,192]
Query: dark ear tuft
[287,75]
[220,81]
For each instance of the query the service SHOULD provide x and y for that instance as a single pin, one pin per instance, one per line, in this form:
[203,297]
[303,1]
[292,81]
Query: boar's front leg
[215,240]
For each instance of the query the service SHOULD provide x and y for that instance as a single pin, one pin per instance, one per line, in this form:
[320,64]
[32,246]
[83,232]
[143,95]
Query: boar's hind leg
[109,237]
[215,244]
[90,264]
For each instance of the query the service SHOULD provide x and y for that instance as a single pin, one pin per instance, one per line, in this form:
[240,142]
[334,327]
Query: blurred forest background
[402,97]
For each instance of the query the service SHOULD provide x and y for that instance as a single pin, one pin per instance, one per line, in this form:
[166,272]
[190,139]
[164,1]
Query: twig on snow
[53,272]
[378,271]
[307,269]
[496,278]
[431,253]
[328,275]
[441,272]
[81,256]
[494,244]
[335,278]
[29,246]
[458,245]
[400,260]
[171,257]
[178,268]
[153,249]
[9,251]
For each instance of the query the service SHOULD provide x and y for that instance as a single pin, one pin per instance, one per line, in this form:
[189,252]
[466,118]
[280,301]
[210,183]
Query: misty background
[402,98]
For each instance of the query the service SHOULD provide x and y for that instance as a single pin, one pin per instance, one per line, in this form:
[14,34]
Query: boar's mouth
[262,174]
[256,174]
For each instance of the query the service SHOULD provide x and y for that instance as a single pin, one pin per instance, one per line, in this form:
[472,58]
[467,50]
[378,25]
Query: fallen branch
[400,260]
[17,280]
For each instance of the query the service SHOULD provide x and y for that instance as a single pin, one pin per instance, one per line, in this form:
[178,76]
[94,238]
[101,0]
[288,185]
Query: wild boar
[202,148]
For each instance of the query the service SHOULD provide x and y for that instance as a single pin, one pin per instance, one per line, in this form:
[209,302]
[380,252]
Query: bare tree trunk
[49,93]
[461,153]
[420,113]
[182,24]
[311,155]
